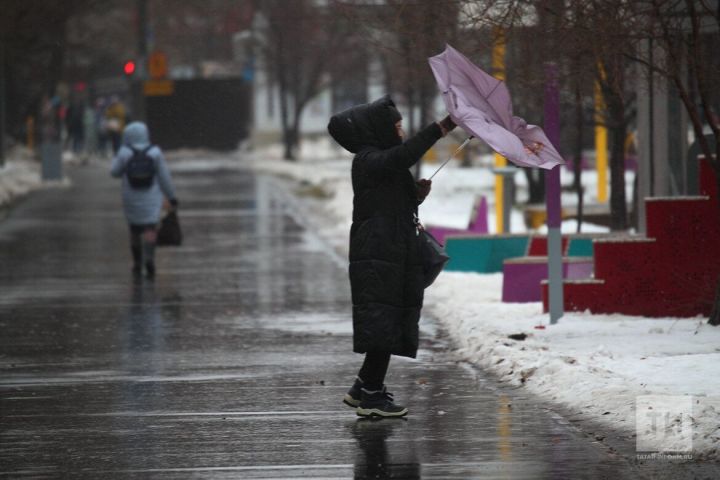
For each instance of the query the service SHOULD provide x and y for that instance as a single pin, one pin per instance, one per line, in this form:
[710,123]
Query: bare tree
[193,31]
[99,40]
[300,41]
[688,32]
[33,39]
[538,32]
[403,34]
[592,39]
[610,33]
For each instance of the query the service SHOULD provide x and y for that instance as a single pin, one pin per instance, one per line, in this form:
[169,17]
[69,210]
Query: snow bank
[18,176]
[593,365]
[21,174]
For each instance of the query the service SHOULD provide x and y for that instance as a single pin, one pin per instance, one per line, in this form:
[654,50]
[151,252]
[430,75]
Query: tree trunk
[291,133]
[634,214]
[3,102]
[410,99]
[536,185]
[287,134]
[284,113]
[290,136]
[618,203]
[424,102]
[55,65]
[577,179]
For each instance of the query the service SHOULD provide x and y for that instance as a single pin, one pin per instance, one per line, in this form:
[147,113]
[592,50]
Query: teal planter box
[580,247]
[483,253]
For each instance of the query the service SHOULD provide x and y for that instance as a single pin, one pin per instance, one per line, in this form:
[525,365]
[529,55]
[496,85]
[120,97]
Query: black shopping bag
[169,233]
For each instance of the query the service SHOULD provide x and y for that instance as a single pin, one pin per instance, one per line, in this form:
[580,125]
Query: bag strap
[418,226]
[144,150]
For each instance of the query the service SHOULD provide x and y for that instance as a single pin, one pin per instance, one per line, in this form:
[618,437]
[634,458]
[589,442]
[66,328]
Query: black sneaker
[352,397]
[379,404]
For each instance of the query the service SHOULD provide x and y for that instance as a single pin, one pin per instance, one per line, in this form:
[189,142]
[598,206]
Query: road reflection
[375,458]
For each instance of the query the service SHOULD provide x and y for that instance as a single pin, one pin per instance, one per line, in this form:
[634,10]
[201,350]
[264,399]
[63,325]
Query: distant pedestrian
[145,180]
[75,126]
[386,275]
[115,116]
[90,147]
[101,127]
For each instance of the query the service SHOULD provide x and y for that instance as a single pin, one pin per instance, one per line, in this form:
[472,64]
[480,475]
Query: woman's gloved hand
[424,187]
[446,125]
[174,203]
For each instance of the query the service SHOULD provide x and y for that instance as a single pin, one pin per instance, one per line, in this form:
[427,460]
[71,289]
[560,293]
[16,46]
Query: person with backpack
[145,181]
[115,115]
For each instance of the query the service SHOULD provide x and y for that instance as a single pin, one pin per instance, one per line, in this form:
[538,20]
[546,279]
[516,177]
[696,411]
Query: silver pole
[452,155]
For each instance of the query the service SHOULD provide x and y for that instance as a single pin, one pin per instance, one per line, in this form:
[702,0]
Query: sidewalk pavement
[233,362]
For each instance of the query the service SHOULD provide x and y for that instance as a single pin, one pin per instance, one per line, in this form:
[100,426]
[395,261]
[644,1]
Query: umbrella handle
[452,155]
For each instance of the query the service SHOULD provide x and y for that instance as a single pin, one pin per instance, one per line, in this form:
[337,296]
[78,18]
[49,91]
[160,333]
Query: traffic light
[129,67]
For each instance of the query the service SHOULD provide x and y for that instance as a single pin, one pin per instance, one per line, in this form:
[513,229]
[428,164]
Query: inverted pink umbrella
[481,105]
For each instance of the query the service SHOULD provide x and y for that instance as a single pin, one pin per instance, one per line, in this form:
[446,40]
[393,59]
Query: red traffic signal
[129,67]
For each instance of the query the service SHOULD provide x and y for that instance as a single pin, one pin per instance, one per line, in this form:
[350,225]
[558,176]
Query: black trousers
[142,250]
[373,370]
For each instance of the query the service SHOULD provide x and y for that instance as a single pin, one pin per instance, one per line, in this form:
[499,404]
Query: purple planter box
[522,276]
[478,223]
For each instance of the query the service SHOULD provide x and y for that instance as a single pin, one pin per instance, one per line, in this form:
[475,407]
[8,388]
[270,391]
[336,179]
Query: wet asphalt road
[233,362]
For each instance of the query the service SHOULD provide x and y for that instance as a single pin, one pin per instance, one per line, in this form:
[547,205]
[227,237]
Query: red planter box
[673,272]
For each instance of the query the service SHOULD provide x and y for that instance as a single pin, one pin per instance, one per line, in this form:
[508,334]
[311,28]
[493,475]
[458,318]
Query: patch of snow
[20,175]
[590,364]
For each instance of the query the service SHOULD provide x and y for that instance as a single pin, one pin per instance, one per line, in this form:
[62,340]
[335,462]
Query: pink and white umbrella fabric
[481,105]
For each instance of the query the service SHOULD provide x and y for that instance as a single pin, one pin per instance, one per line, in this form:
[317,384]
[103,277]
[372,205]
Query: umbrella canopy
[481,105]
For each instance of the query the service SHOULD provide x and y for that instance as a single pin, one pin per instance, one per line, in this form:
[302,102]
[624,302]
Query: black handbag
[169,233]
[433,254]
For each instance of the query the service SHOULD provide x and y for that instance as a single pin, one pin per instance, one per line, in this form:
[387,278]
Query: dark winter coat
[385,267]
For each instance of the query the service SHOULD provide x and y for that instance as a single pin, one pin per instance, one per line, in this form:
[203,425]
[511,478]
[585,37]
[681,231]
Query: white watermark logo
[663,423]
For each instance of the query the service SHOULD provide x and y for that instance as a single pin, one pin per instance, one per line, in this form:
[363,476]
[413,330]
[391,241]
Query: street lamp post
[552,191]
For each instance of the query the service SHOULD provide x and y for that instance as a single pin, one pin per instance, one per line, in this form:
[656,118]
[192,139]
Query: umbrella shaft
[451,156]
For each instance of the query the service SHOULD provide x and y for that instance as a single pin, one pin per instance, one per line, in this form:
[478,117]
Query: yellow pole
[601,158]
[498,69]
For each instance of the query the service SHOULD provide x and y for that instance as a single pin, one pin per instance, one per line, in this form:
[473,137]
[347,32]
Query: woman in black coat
[385,265]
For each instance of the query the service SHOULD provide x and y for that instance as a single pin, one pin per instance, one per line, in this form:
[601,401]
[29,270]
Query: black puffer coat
[385,267]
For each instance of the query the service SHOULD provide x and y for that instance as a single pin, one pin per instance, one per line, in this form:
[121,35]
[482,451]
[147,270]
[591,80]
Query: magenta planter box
[477,225]
[522,276]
